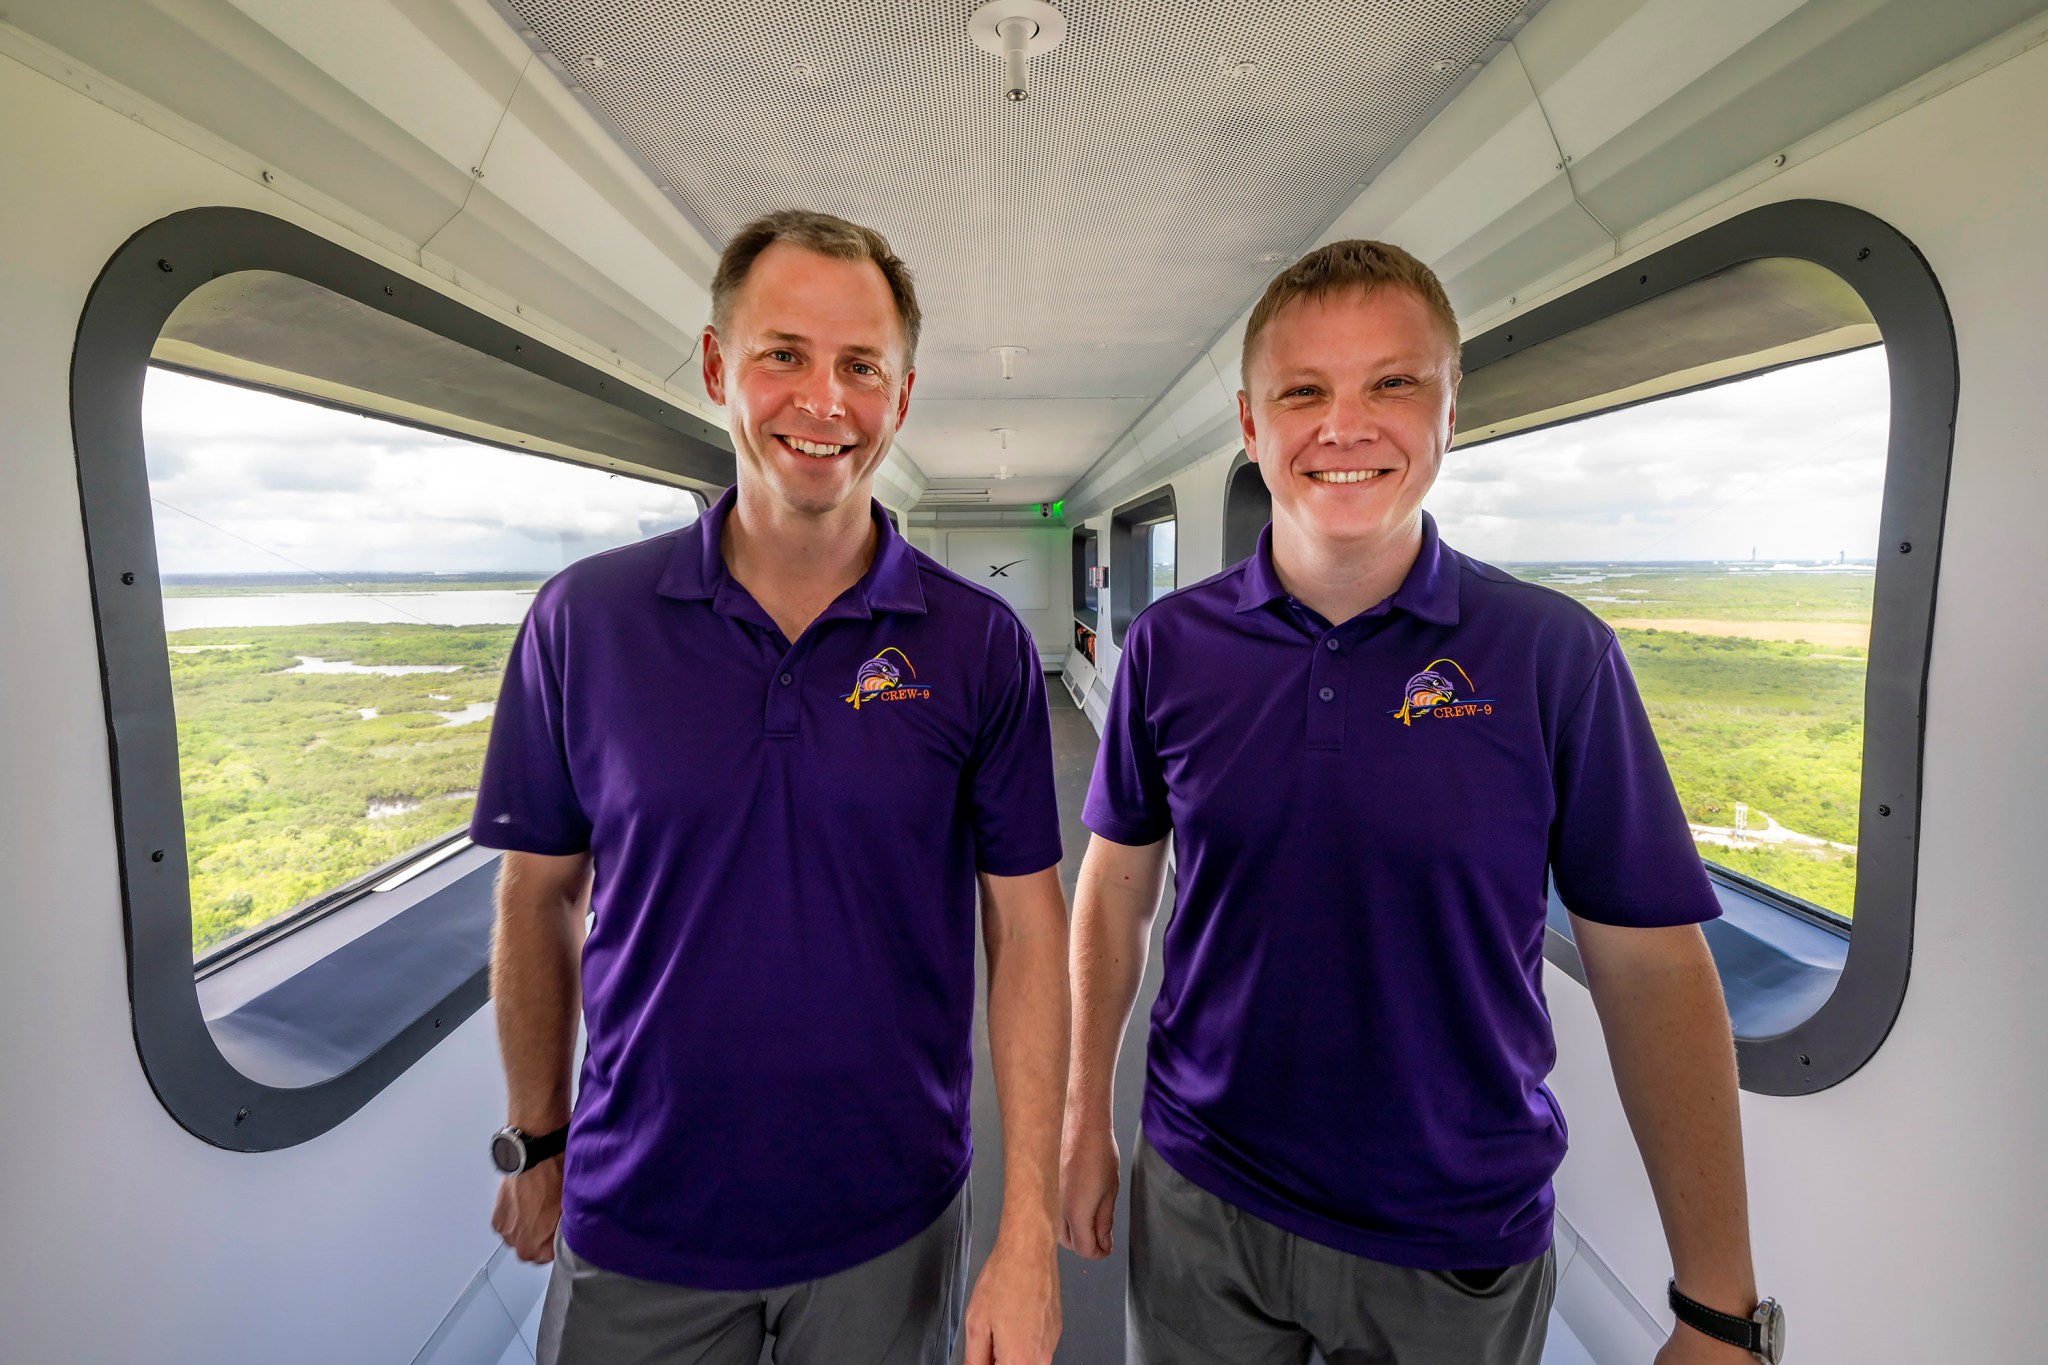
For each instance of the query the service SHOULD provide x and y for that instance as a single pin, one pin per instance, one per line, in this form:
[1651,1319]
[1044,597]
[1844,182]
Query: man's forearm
[536,983]
[1025,929]
[1674,1065]
[1114,902]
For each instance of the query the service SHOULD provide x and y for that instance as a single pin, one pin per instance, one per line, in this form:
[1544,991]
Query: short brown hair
[828,236]
[1360,265]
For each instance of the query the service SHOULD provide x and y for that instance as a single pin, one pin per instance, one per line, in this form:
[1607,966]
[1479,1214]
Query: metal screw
[157,856]
[1805,1060]
[270,177]
[437,1021]
[389,292]
[477,171]
[1864,254]
[1905,547]
[164,266]
[1884,810]
[1642,279]
[128,578]
[240,1114]
[1778,160]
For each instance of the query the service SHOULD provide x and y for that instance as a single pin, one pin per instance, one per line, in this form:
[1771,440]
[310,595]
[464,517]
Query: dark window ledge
[324,1000]
[1777,969]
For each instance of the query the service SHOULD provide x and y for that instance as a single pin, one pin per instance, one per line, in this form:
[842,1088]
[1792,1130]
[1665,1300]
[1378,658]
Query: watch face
[508,1153]
[1771,1318]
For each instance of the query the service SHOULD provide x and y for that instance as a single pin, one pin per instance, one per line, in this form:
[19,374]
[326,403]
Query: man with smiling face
[774,753]
[1373,755]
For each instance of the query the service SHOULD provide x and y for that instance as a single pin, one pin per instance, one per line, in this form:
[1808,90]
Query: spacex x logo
[1003,570]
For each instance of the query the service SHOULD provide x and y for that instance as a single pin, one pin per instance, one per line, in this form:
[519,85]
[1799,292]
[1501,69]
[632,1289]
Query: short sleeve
[1127,796]
[526,801]
[1009,778]
[1620,849]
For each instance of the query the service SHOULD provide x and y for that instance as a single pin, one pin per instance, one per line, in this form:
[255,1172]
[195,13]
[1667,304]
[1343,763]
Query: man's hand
[1014,1316]
[1090,1170]
[529,1209]
[1688,1347]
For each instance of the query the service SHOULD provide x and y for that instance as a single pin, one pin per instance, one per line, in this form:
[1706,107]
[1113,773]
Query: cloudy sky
[247,482]
[1790,463]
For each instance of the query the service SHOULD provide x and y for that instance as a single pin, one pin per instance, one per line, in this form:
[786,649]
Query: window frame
[443,977]
[1130,565]
[1244,514]
[1905,300]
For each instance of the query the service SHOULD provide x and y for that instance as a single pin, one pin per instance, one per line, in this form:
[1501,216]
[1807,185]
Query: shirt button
[1328,694]
[1331,644]
[787,680]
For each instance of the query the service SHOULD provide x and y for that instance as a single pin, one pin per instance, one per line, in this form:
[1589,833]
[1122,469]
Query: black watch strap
[539,1149]
[1744,1332]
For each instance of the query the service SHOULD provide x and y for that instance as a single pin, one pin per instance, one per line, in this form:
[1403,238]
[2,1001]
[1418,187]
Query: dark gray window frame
[1869,977]
[1245,512]
[439,936]
[1127,571]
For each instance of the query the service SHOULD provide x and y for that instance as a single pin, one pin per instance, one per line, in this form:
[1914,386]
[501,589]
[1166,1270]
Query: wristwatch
[1762,1333]
[512,1151]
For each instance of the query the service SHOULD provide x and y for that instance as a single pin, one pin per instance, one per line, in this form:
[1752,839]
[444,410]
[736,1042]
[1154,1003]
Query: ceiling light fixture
[1017,31]
[1008,355]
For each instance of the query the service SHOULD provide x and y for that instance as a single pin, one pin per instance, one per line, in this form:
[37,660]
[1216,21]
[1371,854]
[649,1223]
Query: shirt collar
[1430,591]
[696,569]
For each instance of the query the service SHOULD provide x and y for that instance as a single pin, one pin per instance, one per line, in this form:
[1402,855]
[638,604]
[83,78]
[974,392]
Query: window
[301,612]
[339,595]
[1159,560]
[1754,502]
[1142,550]
[1087,587]
[1729,535]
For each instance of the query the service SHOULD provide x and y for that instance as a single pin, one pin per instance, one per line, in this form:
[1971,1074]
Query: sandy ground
[1836,633]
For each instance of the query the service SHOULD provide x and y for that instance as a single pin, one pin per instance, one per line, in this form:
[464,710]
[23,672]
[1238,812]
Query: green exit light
[1059,509]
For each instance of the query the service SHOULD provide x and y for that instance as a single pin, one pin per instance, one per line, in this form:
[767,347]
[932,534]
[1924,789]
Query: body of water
[480,608]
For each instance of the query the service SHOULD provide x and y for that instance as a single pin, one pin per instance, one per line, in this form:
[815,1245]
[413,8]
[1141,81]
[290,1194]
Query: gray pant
[1212,1285]
[901,1308]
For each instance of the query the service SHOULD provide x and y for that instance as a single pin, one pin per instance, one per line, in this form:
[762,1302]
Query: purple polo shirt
[1350,1040]
[778,986]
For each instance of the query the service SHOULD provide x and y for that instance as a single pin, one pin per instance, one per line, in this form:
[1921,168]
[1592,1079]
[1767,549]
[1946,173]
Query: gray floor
[1091,1292]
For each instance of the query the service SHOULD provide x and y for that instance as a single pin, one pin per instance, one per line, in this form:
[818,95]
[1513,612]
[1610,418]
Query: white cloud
[250,482]
[1790,463]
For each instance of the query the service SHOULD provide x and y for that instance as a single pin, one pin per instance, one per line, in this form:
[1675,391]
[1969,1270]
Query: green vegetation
[281,770]
[1764,737]
[290,791]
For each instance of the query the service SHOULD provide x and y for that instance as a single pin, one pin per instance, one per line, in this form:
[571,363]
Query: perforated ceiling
[1170,156]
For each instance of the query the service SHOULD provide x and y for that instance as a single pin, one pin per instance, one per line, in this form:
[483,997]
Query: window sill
[323,1000]
[1777,968]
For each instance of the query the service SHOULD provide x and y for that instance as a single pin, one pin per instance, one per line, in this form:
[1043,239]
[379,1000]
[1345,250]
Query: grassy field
[1764,736]
[291,790]
[282,770]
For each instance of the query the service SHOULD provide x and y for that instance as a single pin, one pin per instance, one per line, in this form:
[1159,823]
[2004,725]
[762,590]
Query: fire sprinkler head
[1008,355]
[1016,31]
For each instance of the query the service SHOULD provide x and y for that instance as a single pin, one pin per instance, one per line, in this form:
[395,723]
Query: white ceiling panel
[1170,157]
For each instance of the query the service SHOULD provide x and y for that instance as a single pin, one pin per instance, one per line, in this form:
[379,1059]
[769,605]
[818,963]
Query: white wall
[128,1239]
